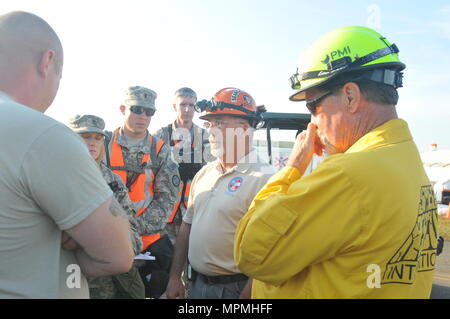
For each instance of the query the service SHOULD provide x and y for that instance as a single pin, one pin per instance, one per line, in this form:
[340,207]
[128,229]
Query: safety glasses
[139,110]
[313,104]
[220,124]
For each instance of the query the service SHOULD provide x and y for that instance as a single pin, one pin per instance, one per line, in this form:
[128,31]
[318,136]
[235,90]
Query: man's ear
[352,96]
[122,109]
[47,59]
[174,107]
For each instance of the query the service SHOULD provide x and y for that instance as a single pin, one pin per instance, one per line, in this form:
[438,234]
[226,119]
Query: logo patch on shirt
[418,252]
[175,180]
[234,184]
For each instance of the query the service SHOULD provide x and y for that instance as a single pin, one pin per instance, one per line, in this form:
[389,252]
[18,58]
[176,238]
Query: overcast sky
[250,44]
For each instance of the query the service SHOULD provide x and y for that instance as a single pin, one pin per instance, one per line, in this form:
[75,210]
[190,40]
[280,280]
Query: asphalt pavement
[441,282]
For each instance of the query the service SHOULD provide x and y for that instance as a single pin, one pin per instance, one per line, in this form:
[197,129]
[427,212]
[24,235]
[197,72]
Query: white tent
[437,167]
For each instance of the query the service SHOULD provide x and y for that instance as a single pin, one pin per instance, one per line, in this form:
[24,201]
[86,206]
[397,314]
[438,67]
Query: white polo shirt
[217,202]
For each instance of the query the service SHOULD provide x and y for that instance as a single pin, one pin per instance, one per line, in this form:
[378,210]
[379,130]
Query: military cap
[140,96]
[87,124]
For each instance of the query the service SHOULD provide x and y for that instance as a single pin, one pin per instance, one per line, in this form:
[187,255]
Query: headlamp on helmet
[350,50]
[212,106]
[233,102]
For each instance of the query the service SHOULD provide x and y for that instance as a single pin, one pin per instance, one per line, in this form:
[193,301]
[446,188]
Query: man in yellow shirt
[363,223]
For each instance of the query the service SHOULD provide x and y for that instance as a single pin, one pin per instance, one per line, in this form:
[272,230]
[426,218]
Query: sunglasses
[139,110]
[313,104]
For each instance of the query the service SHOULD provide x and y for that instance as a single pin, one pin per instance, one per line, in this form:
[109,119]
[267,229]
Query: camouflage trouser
[102,288]
[124,286]
[172,230]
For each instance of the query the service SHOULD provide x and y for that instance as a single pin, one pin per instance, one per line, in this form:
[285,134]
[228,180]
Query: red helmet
[231,102]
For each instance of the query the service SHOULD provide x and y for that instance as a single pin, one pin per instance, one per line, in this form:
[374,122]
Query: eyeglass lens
[139,110]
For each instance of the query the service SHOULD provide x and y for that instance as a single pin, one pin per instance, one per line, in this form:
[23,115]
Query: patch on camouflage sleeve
[175,180]
[172,165]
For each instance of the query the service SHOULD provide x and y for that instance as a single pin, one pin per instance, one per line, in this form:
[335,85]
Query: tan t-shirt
[48,183]
[216,204]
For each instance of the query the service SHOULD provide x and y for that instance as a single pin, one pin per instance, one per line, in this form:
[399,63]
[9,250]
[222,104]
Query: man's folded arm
[104,240]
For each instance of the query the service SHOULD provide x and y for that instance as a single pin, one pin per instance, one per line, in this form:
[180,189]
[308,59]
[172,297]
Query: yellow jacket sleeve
[296,222]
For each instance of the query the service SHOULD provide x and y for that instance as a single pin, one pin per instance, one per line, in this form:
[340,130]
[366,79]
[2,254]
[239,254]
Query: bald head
[31,54]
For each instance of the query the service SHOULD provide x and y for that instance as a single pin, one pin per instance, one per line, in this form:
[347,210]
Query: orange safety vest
[141,191]
[185,202]
[186,189]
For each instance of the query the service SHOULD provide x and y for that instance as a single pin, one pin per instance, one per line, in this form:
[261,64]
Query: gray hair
[372,91]
[185,92]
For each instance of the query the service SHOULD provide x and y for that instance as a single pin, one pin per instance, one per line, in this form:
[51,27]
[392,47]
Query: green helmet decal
[344,50]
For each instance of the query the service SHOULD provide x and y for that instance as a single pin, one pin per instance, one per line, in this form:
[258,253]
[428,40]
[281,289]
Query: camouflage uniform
[104,287]
[121,194]
[158,171]
[153,218]
[166,185]
[201,154]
